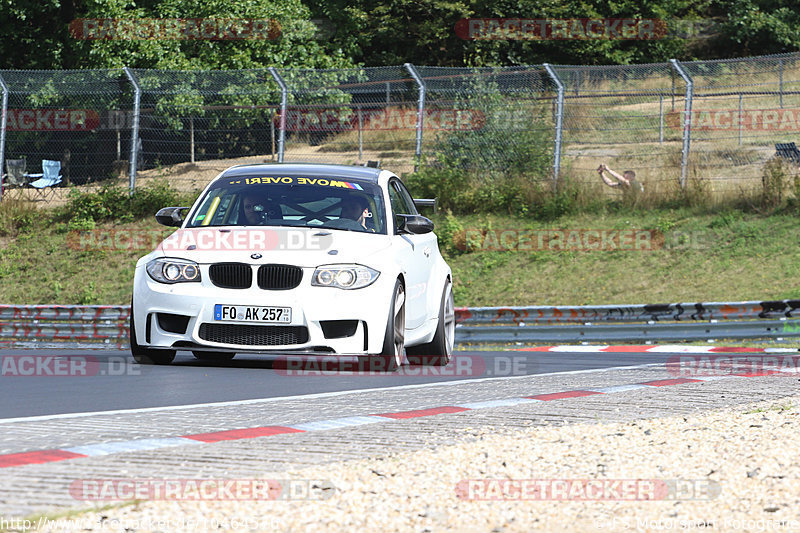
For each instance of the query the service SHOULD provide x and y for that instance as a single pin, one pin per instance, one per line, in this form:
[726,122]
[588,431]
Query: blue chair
[50,176]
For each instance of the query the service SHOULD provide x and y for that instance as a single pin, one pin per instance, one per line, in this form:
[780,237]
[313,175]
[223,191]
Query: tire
[439,351]
[147,356]
[393,352]
[217,357]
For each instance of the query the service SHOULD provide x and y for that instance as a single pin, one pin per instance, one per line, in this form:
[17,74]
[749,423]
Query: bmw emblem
[256,256]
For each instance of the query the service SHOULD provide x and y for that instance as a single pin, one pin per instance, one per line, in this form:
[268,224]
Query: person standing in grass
[627,181]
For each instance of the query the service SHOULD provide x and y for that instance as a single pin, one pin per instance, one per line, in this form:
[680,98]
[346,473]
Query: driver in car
[356,208]
[257,209]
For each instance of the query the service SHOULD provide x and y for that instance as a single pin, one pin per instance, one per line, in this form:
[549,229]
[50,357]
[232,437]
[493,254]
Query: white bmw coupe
[296,259]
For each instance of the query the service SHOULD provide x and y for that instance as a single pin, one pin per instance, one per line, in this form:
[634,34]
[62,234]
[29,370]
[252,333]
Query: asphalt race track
[68,415]
[91,381]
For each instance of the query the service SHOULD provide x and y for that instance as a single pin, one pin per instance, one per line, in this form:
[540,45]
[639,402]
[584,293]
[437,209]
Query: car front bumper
[324,319]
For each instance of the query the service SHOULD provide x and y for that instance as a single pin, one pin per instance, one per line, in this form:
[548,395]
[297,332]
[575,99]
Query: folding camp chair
[50,176]
[15,178]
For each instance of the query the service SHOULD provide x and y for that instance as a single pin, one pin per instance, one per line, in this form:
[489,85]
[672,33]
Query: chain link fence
[351,116]
[704,125]
[498,120]
[621,116]
[194,124]
[741,109]
[73,117]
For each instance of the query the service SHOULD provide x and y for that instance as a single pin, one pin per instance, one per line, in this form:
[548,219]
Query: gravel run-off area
[725,470]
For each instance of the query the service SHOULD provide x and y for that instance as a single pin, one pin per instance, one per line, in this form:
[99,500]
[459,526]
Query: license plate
[248,313]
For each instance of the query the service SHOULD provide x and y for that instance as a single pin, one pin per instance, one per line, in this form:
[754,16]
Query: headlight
[344,276]
[168,270]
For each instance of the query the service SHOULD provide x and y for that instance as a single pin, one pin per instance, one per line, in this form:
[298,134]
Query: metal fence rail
[106,326]
[709,122]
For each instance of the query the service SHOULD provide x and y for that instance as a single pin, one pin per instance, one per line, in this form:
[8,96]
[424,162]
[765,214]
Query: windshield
[316,201]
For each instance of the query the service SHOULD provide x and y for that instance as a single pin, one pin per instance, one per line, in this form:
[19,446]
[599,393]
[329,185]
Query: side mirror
[416,224]
[171,216]
[425,202]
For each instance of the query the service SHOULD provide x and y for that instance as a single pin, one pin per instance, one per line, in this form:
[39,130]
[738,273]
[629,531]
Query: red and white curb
[650,348]
[109,448]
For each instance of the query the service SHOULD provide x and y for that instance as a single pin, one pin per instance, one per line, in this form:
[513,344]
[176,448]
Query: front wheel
[147,356]
[393,352]
[439,351]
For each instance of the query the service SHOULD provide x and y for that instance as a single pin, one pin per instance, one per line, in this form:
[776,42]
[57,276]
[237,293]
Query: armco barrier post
[284,105]
[420,113]
[3,123]
[137,98]
[559,122]
[687,120]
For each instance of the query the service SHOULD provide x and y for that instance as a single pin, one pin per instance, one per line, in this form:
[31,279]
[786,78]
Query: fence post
[559,122]
[660,118]
[780,80]
[272,133]
[137,99]
[420,113]
[740,119]
[284,104]
[687,120]
[191,139]
[360,135]
[3,124]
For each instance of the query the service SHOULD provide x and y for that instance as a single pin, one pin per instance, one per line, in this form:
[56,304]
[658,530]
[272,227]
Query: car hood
[304,247]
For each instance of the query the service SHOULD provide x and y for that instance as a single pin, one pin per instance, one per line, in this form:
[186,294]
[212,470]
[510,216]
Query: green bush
[450,233]
[83,209]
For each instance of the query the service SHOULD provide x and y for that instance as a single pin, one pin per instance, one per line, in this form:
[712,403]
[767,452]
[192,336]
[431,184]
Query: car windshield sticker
[289,180]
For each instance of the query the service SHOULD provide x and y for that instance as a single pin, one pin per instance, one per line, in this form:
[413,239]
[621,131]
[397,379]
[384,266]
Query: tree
[58,40]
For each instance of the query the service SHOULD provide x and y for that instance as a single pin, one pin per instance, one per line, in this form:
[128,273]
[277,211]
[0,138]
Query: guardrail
[64,326]
[629,313]
[628,323]
[106,326]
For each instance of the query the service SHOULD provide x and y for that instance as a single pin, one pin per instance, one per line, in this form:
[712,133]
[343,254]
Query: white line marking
[496,403]
[597,348]
[711,378]
[333,423]
[669,348]
[312,396]
[137,445]
[619,388]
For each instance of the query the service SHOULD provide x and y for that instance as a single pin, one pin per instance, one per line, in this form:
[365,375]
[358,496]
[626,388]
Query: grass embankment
[690,258]
[697,257]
